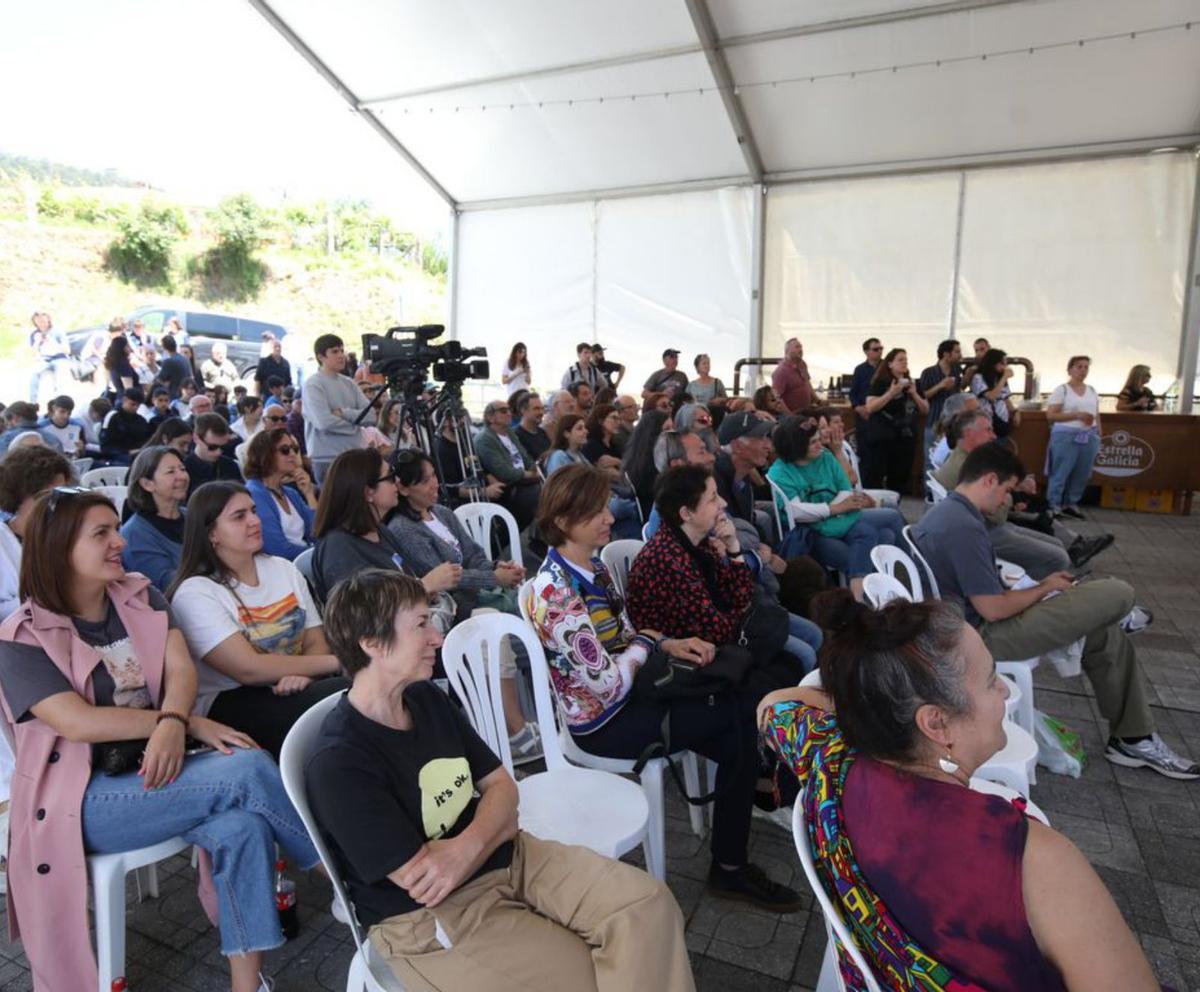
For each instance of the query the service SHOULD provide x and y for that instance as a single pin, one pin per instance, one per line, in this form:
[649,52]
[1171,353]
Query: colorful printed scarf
[809,741]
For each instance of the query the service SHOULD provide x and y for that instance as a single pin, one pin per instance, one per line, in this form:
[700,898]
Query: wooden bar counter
[1137,450]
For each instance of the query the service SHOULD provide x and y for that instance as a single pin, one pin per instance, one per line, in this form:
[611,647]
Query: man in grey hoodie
[332,402]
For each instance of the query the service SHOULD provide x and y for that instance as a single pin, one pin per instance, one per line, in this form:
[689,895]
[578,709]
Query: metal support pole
[1190,343]
[452,287]
[758,244]
[952,317]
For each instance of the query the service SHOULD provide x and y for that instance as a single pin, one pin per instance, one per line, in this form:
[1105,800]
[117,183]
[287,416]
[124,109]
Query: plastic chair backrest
[779,499]
[646,535]
[834,924]
[117,494]
[887,559]
[304,565]
[292,759]
[477,519]
[471,656]
[629,482]
[617,557]
[111,475]
[937,490]
[881,589]
[919,558]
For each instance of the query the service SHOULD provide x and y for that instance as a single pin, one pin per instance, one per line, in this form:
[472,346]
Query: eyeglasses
[275,420]
[390,477]
[877,347]
[59,493]
[287,449]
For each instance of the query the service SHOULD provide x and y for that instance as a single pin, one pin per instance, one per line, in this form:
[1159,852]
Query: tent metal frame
[713,47]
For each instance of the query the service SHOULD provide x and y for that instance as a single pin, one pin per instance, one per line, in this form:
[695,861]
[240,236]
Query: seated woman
[960,881]
[173,433]
[815,482]
[432,537]
[767,402]
[595,653]
[24,473]
[602,425]
[989,385]
[249,621]
[93,658]
[566,444]
[690,580]
[567,448]
[158,485]
[283,492]
[452,893]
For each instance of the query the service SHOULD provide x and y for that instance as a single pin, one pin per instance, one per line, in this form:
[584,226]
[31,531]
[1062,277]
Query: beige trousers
[560,919]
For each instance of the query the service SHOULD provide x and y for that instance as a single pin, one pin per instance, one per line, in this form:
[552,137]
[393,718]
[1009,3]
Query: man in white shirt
[583,370]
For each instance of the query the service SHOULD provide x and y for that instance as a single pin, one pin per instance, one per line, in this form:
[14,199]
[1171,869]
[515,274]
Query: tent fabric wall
[636,275]
[1055,260]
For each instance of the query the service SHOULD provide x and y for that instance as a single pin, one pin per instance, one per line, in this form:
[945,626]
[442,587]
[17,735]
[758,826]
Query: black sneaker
[750,884]
[1086,548]
[1073,512]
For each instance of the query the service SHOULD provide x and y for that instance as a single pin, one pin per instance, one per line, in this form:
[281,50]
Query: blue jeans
[1070,467]
[851,553]
[231,805]
[626,522]
[803,642]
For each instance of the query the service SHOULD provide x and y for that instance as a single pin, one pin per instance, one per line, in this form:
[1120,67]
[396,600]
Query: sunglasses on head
[59,493]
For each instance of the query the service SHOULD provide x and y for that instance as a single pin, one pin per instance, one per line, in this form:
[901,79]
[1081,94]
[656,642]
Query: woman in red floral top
[690,580]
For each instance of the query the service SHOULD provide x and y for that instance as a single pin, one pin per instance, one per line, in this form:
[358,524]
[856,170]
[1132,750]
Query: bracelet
[169,715]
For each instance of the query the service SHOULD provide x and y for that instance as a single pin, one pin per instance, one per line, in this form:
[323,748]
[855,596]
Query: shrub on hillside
[240,227]
[141,251]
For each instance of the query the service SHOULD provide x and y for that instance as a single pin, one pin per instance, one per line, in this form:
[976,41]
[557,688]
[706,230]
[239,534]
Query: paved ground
[1139,830]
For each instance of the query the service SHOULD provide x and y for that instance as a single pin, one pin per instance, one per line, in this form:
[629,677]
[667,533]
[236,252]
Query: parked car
[242,336]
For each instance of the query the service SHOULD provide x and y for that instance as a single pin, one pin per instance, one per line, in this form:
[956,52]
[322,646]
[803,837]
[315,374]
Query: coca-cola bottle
[285,902]
[119,984]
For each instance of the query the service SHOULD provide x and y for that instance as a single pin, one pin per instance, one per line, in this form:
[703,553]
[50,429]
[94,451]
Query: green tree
[141,251]
[240,226]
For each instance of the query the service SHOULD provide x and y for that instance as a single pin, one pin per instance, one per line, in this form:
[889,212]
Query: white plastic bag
[1059,747]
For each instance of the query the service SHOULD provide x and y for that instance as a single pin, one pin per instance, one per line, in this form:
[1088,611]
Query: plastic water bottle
[285,902]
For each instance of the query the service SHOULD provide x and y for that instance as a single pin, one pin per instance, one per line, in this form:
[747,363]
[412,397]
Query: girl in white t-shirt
[249,620]
[1073,412]
[515,374]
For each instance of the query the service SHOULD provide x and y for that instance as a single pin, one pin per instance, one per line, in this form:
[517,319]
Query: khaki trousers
[1091,611]
[560,919]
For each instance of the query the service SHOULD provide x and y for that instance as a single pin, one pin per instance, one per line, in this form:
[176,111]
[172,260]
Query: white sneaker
[526,744]
[1153,753]
[1137,620]
[338,913]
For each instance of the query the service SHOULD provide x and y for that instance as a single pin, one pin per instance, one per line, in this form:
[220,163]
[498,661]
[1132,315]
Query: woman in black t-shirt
[419,814]
[1135,395]
[887,439]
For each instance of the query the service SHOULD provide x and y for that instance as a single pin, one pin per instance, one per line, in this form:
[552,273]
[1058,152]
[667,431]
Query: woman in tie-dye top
[595,653]
[943,888]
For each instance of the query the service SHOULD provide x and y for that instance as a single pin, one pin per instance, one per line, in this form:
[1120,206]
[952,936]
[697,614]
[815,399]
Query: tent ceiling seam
[311,57]
[706,31]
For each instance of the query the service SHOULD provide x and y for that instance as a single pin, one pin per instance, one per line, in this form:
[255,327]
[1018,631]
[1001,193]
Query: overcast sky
[200,97]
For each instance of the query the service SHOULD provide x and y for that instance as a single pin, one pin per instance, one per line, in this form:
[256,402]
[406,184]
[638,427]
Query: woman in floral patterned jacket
[595,654]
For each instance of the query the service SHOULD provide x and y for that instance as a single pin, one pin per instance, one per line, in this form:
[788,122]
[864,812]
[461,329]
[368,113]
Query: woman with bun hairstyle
[962,890]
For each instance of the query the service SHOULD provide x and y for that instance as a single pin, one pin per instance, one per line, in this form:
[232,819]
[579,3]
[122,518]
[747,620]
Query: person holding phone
[887,438]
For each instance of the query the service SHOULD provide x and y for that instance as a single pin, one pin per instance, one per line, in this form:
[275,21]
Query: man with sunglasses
[864,373]
[208,461]
[505,459]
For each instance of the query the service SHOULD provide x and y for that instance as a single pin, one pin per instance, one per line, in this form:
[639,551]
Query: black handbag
[663,678]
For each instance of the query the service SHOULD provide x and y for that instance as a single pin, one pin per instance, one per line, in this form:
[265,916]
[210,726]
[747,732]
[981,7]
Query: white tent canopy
[653,172]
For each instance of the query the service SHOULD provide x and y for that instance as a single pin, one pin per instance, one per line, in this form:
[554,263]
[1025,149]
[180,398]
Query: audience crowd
[258,541]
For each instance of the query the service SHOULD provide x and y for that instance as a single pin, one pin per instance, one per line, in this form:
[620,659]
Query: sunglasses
[287,449]
[59,493]
[275,420]
[876,348]
[390,477]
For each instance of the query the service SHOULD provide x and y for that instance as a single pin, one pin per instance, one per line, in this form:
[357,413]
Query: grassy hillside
[60,268]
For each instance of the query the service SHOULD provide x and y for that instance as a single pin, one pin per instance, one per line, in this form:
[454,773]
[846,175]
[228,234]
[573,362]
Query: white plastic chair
[880,589]
[646,535]
[117,494]
[304,565]
[936,489]
[595,809]
[779,499]
[887,559]
[477,518]
[830,979]
[367,971]
[920,560]
[650,779]
[617,557]
[1013,765]
[107,872]
[1004,792]
[111,475]
[81,465]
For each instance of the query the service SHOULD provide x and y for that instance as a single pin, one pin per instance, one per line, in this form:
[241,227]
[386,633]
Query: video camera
[405,352]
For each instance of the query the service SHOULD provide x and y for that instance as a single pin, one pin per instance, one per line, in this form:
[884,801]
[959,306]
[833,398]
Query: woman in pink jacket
[92,657]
